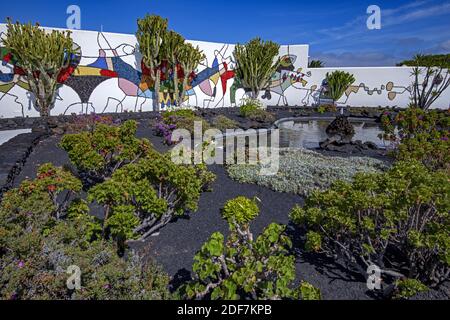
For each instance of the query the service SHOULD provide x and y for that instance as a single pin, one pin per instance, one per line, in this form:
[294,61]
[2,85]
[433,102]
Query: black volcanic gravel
[177,243]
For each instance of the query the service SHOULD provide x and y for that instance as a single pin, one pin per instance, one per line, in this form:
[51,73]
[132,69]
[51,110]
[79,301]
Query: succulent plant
[255,64]
[43,57]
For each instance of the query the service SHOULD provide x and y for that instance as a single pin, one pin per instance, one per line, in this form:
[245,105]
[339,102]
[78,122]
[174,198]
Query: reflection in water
[308,134]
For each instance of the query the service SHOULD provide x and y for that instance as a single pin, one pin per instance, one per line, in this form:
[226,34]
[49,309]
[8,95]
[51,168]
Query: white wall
[293,85]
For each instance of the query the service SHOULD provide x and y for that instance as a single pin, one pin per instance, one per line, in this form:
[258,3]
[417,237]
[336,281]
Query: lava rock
[341,127]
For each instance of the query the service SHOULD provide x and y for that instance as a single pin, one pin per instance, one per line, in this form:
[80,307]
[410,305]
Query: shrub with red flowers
[98,154]
[89,122]
[420,135]
[42,235]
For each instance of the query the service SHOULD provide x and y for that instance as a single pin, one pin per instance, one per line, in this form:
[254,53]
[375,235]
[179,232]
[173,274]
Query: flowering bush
[99,153]
[40,238]
[165,130]
[89,122]
[177,119]
[398,220]
[143,197]
[243,267]
[422,135]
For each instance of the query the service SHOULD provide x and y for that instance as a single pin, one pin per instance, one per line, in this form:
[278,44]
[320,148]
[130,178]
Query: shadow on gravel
[324,265]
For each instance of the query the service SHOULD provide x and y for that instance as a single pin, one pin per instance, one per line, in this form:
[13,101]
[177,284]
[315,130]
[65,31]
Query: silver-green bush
[301,171]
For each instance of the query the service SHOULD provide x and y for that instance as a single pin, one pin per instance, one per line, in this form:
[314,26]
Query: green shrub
[41,195]
[254,110]
[398,220]
[243,267]
[143,197]
[37,247]
[326,108]
[223,123]
[408,288]
[301,171]
[99,153]
[420,135]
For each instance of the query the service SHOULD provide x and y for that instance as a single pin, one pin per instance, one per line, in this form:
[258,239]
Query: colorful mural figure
[284,78]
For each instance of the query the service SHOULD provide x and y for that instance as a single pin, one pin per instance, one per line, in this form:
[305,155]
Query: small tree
[243,267]
[338,81]
[431,78]
[42,56]
[143,197]
[255,64]
[150,35]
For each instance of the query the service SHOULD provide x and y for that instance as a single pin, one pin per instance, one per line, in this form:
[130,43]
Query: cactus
[42,56]
[255,64]
[159,45]
[172,44]
[189,57]
[338,81]
[150,35]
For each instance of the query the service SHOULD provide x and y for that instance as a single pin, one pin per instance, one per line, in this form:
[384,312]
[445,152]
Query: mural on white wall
[108,76]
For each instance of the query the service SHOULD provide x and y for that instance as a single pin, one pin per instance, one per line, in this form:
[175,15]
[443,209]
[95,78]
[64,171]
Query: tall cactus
[189,57]
[338,81]
[255,64]
[172,44]
[150,35]
[42,56]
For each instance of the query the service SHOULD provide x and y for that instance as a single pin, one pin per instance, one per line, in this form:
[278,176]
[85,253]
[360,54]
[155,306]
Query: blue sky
[335,30]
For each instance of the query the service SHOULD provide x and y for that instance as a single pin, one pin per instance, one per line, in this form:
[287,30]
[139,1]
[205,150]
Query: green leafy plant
[98,154]
[255,64]
[431,78]
[338,81]
[408,288]
[245,268]
[398,220]
[420,135]
[143,197]
[42,56]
